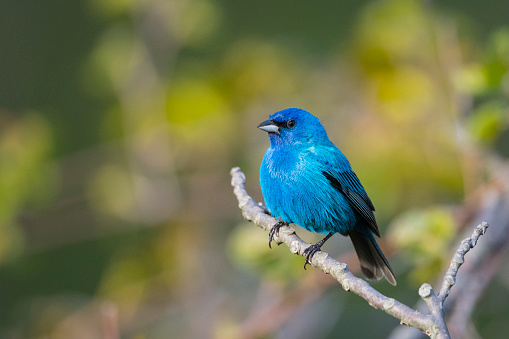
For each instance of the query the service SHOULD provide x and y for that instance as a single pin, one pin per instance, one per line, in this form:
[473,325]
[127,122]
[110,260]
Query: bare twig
[458,259]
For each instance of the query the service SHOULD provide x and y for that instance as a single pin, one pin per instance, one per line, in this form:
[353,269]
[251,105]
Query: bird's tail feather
[374,265]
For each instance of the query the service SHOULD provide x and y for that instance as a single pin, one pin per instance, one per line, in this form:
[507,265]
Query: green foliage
[249,249]
[488,82]
[488,121]
[26,177]
[423,239]
[183,106]
[120,120]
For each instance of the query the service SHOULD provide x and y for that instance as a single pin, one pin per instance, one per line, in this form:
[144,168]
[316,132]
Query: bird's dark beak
[268,126]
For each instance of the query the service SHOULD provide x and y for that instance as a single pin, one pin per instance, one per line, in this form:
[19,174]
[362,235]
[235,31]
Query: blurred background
[121,119]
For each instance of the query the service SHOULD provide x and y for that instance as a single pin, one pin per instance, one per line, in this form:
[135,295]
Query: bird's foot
[312,249]
[310,252]
[275,230]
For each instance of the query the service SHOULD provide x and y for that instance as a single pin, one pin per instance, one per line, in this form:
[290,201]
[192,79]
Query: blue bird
[307,180]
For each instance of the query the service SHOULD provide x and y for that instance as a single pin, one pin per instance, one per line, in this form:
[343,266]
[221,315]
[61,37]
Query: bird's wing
[347,183]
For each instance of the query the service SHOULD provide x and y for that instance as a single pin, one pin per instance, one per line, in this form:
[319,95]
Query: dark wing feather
[348,184]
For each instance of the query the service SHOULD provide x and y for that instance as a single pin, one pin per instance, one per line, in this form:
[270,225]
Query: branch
[458,259]
[436,302]
[490,202]
[433,325]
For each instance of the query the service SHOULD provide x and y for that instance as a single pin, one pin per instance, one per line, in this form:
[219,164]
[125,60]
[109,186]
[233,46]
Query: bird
[306,180]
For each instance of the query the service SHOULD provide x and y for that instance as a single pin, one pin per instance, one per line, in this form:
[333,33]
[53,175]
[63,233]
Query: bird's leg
[275,230]
[311,250]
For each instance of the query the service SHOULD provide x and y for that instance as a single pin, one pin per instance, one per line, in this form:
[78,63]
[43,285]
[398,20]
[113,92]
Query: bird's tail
[374,265]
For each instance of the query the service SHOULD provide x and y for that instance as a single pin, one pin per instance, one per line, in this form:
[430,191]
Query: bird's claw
[310,252]
[274,231]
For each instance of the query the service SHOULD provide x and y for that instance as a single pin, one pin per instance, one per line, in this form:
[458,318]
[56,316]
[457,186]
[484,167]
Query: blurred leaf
[111,63]
[491,73]
[194,22]
[191,100]
[249,249]
[471,79]
[260,68]
[390,32]
[26,177]
[423,238]
[112,191]
[497,64]
[404,94]
[113,8]
[494,72]
[488,121]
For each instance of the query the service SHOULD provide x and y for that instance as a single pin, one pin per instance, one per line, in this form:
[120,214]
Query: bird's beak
[268,126]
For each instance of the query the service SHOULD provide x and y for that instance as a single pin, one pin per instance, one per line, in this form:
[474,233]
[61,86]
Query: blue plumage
[307,180]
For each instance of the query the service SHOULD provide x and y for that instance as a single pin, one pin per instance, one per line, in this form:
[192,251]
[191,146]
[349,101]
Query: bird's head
[293,126]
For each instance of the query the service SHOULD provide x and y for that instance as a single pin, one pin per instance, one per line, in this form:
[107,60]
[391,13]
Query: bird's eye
[290,123]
